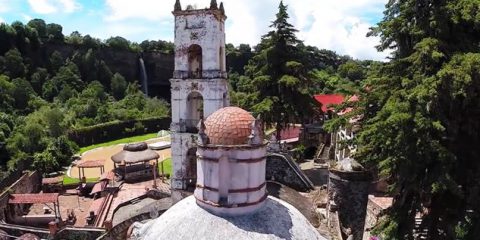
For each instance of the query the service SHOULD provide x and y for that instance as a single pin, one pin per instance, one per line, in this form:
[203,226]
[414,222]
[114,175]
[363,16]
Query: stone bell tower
[199,83]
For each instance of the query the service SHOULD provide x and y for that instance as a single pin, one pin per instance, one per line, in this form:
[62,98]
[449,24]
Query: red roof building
[326,100]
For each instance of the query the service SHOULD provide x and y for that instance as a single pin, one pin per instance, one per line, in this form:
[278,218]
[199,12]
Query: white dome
[186,220]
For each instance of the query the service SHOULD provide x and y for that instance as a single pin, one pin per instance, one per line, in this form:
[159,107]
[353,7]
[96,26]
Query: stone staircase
[322,154]
[418,231]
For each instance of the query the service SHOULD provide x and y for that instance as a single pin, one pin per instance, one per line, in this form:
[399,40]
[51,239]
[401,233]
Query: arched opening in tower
[191,168]
[195,61]
[194,111]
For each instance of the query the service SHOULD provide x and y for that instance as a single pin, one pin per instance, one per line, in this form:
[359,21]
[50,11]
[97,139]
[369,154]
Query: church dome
[229,126]
[186,220]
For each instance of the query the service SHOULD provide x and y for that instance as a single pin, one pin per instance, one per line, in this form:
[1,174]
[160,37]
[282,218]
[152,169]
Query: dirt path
[105,153]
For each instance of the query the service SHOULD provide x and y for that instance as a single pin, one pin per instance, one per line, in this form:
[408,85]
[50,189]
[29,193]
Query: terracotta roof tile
[229,126]
[91,164]
[33,198]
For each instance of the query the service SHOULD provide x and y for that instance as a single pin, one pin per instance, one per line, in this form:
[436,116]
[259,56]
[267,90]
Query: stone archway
[195,111]
[195,62]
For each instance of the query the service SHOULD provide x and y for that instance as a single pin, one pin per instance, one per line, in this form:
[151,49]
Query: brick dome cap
[229,126]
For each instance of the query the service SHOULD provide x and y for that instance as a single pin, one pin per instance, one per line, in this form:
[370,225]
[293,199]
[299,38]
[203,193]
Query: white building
[199,85]
[230,200]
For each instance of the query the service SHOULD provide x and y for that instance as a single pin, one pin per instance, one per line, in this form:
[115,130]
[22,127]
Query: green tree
[7,36]
[118,86]
[40,26]
[56,61]
[351,70]
[281,95]
[91,43]
[118,43]
[38,78]
[20,36]
[75,38]
[420,118]
[22,93]
[6,94]
[54,33]
[14,66]
[67,76]
[104,74]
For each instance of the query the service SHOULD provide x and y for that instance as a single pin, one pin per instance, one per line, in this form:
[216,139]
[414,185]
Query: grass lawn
[70,181]
[120,141]
[167,166]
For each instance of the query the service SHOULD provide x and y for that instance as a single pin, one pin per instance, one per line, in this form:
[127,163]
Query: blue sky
[339,25]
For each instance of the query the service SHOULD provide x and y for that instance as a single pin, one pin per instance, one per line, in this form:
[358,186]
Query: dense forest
[44,95]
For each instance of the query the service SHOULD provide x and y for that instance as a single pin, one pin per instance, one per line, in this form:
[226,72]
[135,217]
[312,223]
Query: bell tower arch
[199,84]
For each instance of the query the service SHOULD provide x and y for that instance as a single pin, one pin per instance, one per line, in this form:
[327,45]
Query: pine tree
[281,95]
[421,117]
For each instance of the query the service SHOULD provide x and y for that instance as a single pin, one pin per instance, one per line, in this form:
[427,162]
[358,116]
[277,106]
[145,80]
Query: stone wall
[119,231]
[15,230]
[72,233]
[29,182]
[284,170]
[376,207]
[349,192]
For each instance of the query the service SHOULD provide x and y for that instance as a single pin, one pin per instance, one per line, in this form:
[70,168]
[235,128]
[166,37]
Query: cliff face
[160,69]
[159,66]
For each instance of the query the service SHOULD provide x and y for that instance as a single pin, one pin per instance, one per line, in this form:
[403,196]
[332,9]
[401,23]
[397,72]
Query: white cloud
[339,25]
[53,6]
[27,17]
[1,20]
[4,6]
[142,9]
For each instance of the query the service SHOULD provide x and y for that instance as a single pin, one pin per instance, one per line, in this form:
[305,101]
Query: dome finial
[213,5]
[203,138]
[178,6]
[222,9]
[256,138]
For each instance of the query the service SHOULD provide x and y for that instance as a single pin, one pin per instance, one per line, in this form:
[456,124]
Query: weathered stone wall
[376,208]
[119,231]
[30,182]
[199,49]
[71,233]
[204,28]
[283,170]
[15,230]
[349,192]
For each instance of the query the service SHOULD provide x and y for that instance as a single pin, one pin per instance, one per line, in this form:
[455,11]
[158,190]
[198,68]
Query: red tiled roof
[55,180]
[329,99]
[290,132]
[334,99]
[33,198]
[107,176]
[98,187]
[229,126]
[91,164]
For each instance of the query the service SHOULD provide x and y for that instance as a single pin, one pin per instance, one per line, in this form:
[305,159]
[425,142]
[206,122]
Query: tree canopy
[420,118]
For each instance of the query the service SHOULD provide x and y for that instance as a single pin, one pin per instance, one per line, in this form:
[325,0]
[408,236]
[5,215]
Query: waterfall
[143,76]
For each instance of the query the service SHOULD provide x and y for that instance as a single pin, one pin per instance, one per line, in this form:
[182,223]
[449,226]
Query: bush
[115,130]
